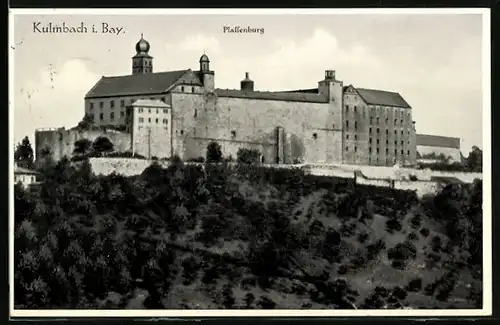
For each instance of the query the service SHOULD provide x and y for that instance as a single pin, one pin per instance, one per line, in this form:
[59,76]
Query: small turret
[247,84]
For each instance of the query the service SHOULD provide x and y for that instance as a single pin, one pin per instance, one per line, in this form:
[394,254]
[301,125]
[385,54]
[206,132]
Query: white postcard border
[487,216]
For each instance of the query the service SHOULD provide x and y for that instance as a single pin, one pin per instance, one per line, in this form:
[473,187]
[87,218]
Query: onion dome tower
[142,62]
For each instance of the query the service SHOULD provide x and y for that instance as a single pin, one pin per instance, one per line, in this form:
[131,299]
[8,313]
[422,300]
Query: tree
[248,156]
[86,123]
[214,152]
[23,155]
[102,145]
[475,160]
[82,147]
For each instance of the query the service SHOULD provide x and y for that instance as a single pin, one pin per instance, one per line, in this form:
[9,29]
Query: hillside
[223,236]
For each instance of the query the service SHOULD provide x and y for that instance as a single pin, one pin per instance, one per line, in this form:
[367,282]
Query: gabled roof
[147,83]
[382,98]
[150,103]
[437,141]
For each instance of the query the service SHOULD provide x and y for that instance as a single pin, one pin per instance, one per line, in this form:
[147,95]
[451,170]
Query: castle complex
[170,113]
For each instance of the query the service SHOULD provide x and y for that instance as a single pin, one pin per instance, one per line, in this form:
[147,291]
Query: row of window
[111,115]
[386,121]
[165,121]
[378,151]
[122,102]
[387,131]
[387,151]
[387,142]
[141,110]
[398,112]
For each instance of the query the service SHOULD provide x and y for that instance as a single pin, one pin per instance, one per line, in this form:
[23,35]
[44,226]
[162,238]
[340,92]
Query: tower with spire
[207,75]
[142,62]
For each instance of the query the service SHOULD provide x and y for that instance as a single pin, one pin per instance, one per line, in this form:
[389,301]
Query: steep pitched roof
[150,103]
[382,98]
[148,83]
[437,141]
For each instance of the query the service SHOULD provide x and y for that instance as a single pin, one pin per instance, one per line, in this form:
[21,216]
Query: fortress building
[180,112]
[432,146]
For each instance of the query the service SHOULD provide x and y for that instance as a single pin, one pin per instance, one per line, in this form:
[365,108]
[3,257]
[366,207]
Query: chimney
[247,84]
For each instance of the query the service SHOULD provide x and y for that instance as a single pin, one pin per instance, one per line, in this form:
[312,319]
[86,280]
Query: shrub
[249,299]
[102,145]
[399,293]
[190,270]
[381,291]
[402,251]
[373,302]
[416,221]
[248,156]
[198,160]
[266,303]
[214,152]
[393,225]
[412,236]
[210,275]
[414,285]
[362,237]
[424,232]
[228,297]
[342,269]
[436,244]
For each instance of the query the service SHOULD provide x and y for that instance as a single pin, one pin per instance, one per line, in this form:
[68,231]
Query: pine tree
[23,155]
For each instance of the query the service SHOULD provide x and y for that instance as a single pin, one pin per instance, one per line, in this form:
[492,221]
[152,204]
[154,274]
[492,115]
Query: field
[238,236]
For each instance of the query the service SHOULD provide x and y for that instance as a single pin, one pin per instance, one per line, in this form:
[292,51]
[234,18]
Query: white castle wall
[134,166]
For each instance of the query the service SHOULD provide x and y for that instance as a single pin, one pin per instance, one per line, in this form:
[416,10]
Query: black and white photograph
[258,162]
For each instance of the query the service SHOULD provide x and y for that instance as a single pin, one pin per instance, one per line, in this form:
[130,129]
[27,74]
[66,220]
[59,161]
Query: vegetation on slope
[216,236]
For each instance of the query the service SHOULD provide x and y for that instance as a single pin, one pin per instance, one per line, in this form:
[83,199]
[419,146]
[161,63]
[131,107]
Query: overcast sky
[433,61]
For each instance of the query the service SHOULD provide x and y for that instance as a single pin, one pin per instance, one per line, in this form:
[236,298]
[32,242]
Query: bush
[399,294]
[362,237]
[424,232]
[414,285]
[436,244]
[266,303]
[416,221]
[198,160]
[248,156]
[228,297]
[402,251]
[393,225]
[249,299]
[214,152]
[412,236]
[190,270]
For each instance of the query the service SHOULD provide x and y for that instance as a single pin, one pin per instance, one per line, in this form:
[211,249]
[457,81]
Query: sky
[433,61]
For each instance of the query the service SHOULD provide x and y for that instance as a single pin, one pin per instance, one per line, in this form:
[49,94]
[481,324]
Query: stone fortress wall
[366,175]
[61,141]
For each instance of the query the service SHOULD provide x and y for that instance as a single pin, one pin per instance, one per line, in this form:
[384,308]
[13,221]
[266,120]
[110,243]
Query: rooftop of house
[382,98]
[25,171]
[135,84]
[150,103]
[437,141]
[162,82]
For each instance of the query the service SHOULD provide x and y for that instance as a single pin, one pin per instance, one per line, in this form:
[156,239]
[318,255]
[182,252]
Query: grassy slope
[378,272]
